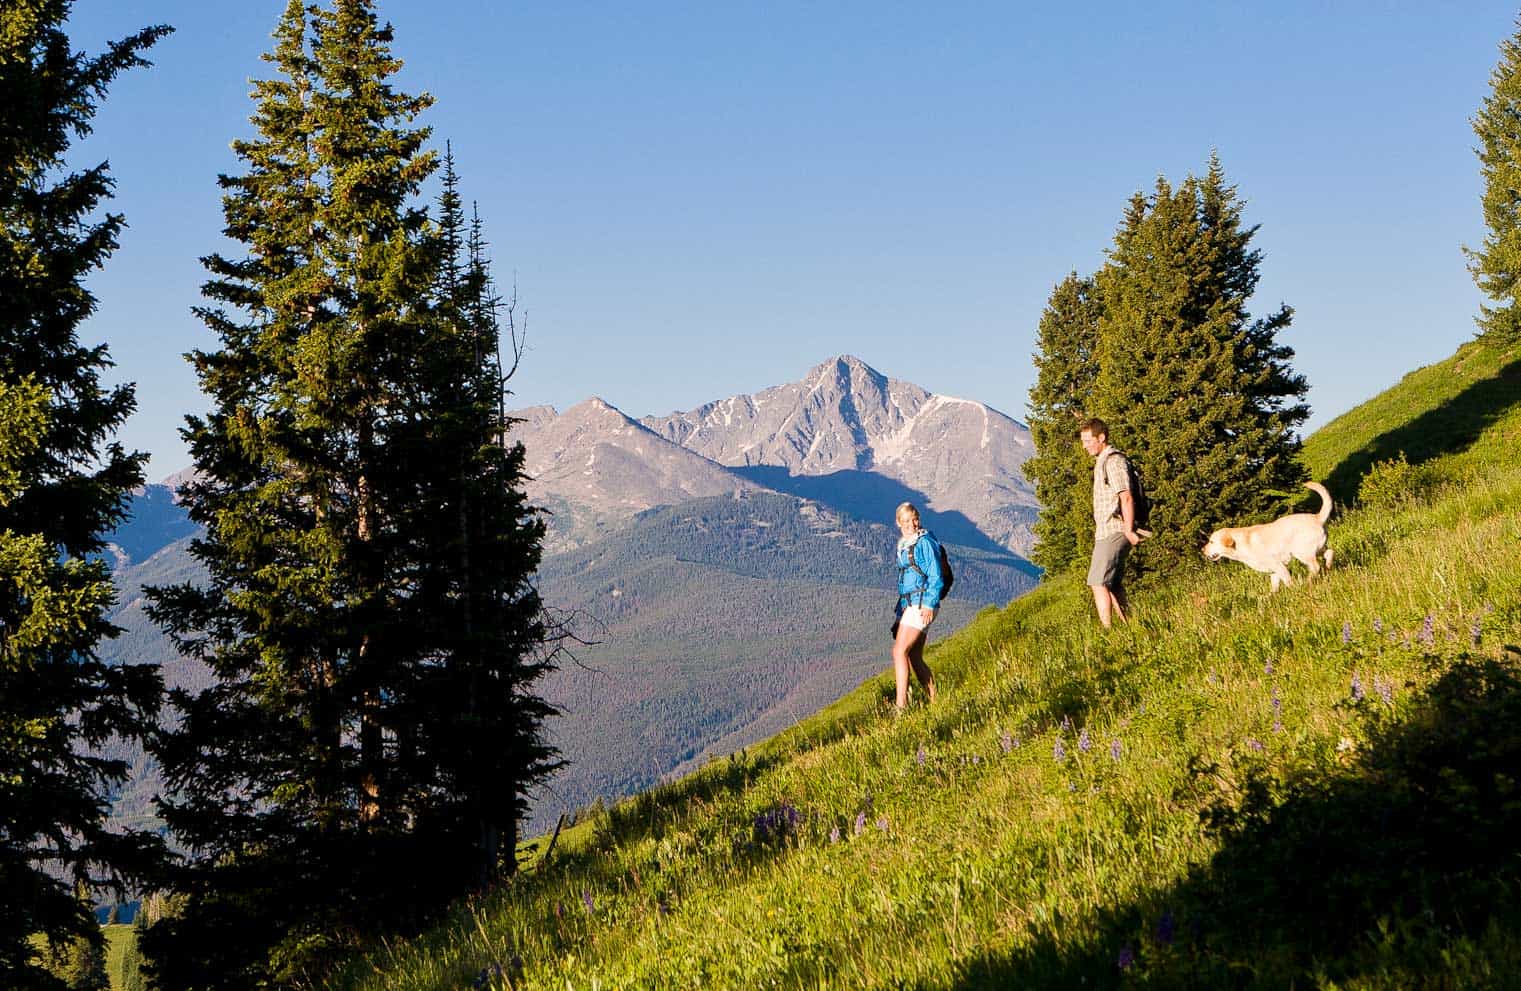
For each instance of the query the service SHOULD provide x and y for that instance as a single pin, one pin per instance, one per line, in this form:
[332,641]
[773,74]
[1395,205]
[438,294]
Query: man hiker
[1114,522]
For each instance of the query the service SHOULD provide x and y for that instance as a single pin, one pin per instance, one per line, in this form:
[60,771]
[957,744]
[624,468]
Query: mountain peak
[846,369]
[596,409]
[848,361]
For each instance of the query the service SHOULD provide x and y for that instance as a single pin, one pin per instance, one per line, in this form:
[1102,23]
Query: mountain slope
[1315,788]
[594,467]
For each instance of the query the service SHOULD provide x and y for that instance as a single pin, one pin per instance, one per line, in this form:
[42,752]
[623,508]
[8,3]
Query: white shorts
[916,618]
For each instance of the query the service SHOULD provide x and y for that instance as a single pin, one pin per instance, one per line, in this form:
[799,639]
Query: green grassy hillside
[1312,789]
[699,650]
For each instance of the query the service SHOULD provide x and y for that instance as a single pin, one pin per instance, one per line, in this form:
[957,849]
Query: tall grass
[1236,789]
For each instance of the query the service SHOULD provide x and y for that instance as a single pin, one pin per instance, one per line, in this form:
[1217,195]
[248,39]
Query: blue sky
[703,199]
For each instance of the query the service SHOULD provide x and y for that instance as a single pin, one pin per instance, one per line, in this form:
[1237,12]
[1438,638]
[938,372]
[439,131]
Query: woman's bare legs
[908,654]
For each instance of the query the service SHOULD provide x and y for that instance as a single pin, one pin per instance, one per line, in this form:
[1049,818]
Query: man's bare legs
[1110,603]
[908,654]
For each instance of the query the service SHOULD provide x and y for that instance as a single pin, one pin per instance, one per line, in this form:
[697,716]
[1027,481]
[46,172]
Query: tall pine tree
[1059,401]
[63,485]
[481,717]
[1496,266]
[368,612]
[1196,391]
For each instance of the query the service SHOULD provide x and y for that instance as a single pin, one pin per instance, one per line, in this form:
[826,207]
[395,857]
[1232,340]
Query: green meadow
[1316,788]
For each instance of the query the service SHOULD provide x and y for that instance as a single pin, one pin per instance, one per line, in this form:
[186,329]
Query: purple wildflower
[588,901]
[1277,712]
[882,823]
[1059,752]
[976,759]
[1268,667]
[1067,724]
[777,821]
[860,822]
[920,755]
[1346,632]
[1254,744]
[1114,749]
[1127,957]
[1476,629]
[763,824]
[1167,928]
[1378,625]
[1071,786]
[559,910]
[1006,741]
[663,905]
[1357,688]
[1385,689]
[834,835]
[1428,630]
[1083,742]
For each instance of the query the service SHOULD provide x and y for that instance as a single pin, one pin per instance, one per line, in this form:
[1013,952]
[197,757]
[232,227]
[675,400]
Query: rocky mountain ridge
[845,435]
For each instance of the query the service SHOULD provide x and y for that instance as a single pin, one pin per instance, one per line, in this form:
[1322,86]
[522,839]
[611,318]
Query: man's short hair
[1094,426]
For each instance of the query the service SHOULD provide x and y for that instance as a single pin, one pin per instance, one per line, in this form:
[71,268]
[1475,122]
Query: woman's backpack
[947,577]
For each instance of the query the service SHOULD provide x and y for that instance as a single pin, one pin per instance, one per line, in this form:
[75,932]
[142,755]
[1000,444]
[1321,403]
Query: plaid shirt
[1106,491]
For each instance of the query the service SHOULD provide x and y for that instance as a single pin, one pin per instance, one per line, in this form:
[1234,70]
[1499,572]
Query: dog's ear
[1227,540]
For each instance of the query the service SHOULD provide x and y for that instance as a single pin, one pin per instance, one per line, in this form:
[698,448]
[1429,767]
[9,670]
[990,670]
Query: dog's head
[1221,544]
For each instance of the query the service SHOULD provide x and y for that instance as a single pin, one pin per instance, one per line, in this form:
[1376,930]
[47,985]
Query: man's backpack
[947,576]
[1138,495]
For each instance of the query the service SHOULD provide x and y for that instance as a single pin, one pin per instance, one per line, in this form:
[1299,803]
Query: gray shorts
[1108,566]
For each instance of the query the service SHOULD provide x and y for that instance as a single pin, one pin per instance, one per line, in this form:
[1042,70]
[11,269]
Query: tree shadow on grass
[1453,425]
[1403,870]
[651,812]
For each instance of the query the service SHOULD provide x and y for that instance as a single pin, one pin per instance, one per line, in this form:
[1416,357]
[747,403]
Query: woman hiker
[919,589]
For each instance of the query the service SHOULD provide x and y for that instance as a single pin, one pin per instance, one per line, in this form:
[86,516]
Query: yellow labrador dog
[1267,547]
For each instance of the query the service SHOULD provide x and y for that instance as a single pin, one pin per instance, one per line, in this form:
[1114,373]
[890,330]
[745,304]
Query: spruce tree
[63,485]
[1197,392]
[1496,266]
[367,612]
[482,716]
[81,965]
[1059,401]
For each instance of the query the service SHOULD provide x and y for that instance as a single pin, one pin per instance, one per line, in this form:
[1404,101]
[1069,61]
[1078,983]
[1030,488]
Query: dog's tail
[1325,501]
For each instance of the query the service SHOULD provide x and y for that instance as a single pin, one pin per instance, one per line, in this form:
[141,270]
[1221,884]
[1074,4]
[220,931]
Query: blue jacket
[915,589]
